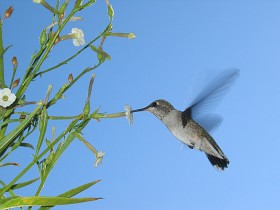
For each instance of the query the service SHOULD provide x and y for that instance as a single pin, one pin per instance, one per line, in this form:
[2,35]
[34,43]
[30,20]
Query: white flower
[128,114]
[99,158]
[37,1]
[131,36]
[78,37]
[6,97]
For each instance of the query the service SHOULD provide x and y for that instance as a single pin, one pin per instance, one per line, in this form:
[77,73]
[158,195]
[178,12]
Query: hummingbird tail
[217,162]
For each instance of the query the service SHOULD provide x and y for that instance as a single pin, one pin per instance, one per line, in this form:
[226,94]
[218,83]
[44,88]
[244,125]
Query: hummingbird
[191,129]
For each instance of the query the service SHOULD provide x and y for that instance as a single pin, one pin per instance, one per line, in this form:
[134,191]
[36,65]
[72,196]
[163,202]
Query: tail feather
[217,162]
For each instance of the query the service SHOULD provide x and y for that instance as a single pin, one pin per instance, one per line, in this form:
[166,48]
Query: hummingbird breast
[174,123]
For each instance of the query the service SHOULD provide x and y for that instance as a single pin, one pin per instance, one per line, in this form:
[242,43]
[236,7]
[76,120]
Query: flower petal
[12,97]
[79,37]
[128,114]
[99,158]
[6,91]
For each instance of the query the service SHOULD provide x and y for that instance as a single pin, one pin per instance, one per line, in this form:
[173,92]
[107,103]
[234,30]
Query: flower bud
[110,11]
[22,116]
[15,62]
[15,83]
[57,40]
[61,16]
[43,37]
[8,12]
[70,78]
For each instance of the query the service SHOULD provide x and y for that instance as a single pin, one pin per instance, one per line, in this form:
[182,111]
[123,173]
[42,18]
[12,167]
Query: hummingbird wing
[209,121]
[213,92]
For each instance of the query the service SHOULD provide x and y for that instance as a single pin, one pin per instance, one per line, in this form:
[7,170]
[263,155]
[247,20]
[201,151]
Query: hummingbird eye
[154,104]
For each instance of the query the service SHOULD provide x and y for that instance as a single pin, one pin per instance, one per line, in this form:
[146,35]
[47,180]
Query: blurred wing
[209,121]
[213,92]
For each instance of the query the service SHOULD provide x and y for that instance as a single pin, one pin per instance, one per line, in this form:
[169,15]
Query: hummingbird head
[160,108]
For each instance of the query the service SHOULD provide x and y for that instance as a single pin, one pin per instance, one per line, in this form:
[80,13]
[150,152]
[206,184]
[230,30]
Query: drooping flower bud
[61,16]
[22,116]
[70,78]
[15,62]
[57,40]
[15,83]
[8,12]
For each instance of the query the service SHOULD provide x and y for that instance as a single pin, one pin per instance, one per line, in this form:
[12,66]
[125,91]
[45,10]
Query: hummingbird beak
[139,110]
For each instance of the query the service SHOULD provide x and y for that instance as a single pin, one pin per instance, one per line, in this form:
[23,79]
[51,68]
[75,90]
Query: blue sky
[177,44]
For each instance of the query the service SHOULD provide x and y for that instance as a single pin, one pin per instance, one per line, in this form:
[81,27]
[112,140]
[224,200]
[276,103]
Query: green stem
[13,77]
[45,54]
[68,59]
[2,79]
[49,7]
[10,137]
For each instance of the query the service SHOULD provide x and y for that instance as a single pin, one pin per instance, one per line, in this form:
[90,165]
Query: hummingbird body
[191,134]
[185,129]
[188,130]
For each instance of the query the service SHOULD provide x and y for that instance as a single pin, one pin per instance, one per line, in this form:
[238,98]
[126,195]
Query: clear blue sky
[177,42]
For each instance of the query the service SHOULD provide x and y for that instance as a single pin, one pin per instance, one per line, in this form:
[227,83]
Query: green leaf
[24,145]
[43,124]
[74,191]
[9,164]
[63,146]
[100,53]
[10,137]
[23,184]
[79,189]
[16,201]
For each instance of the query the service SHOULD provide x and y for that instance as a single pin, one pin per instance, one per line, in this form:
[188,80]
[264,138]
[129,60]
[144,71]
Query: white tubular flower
[37,1]
[99,158]
[128,114]
[6,97]
[78,37]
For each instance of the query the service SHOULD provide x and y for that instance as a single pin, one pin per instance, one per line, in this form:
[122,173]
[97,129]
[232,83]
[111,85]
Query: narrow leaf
[23,184]
[100,52]
[79,189]
[7,140]
[43,123]
[73,192]
[9,164]
[13,202]
[24,145]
